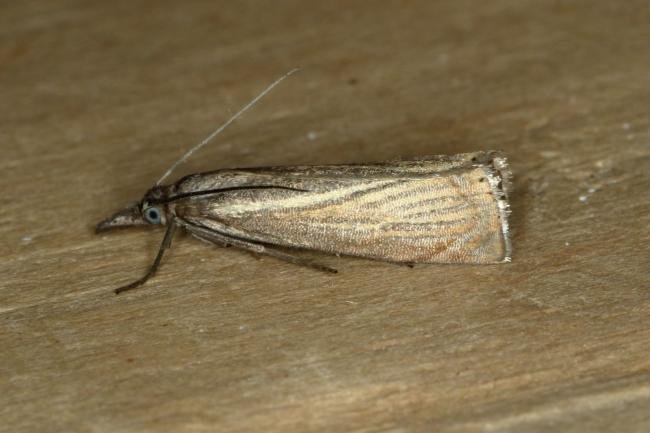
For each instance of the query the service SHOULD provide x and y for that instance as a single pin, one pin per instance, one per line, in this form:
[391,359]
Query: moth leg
[220,239]
[297,260]
[166,243]
[211,241]
[221,243]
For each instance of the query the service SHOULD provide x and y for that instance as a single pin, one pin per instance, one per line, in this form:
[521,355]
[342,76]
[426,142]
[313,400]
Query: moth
[437,209]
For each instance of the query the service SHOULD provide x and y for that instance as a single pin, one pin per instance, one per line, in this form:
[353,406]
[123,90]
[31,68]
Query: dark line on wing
[409,204]
[436,211]
[395,196]
[372,190]
[349,196]
[433,202]
[221,190]
[228,235]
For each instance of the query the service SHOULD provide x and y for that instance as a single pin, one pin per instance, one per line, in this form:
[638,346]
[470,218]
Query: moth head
[149,211]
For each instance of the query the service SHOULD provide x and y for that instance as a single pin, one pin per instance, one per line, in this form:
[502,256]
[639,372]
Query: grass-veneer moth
[438,209]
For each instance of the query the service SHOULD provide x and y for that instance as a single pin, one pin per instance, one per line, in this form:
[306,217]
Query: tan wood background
[99,98]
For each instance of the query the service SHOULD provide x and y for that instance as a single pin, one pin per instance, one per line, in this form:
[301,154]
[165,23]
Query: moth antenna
[217,131]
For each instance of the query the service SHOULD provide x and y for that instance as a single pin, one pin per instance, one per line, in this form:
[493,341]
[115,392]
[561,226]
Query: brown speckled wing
[441,209]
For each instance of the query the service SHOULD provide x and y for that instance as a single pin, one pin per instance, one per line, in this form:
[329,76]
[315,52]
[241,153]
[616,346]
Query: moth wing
[435,210]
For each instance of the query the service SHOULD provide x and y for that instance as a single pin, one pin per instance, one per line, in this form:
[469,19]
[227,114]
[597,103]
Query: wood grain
[99,98]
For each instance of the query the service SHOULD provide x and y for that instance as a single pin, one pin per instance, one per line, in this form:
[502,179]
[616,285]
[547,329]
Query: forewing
[440,209]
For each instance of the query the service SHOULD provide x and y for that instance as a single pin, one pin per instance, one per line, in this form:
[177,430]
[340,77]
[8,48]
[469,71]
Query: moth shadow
[522,199]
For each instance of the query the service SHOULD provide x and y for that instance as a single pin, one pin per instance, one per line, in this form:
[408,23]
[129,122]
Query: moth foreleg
[166,243]
[221,240]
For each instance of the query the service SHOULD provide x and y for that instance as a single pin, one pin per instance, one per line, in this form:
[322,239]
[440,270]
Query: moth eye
[152,215]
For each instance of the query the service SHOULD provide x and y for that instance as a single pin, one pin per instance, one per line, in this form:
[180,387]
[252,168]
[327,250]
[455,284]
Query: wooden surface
[99,98]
